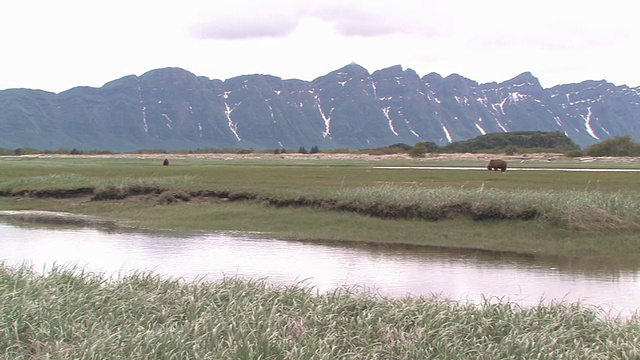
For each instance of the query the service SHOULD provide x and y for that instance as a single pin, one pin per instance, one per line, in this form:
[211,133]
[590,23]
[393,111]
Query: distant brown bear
[497,164]
[165,162]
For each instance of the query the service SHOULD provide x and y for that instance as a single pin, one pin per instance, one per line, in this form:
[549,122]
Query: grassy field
[71,313]
[342,199]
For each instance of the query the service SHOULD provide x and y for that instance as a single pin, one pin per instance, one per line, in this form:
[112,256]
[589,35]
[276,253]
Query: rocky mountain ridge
[350,108]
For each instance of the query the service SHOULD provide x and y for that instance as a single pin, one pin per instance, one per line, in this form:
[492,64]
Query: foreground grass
[73,314]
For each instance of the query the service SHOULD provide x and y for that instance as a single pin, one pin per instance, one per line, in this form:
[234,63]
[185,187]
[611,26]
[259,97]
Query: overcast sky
[56,45]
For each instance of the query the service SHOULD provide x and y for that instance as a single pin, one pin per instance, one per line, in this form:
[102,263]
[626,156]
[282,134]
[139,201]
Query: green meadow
[74,313]
[353,200]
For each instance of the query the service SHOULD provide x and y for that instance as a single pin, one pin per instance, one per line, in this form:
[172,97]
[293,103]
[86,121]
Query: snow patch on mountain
[326,118]
[385,111]
[558,121]
[504,129]
[447,133]
[143,108]
[233,126]
[516,97]
[587,123]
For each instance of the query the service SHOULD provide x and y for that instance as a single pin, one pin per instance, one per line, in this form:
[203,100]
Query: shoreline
[57,217]
[83,220]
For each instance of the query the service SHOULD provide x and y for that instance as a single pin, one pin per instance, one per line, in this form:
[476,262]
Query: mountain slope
[172,109]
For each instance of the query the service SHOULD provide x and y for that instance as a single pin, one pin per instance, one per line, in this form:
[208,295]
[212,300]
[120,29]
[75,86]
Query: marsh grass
[69,313]
[574,210]
[318,225]
[155,181]
[583,213]
[124,184]
[129,186]
[44,181]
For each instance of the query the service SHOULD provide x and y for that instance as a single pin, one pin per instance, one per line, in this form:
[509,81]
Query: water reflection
[391,271]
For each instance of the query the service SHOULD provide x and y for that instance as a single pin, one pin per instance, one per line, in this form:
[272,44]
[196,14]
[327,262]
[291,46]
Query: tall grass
[123,187]
[45,181]
[71,180]
[575,210]
[72,314]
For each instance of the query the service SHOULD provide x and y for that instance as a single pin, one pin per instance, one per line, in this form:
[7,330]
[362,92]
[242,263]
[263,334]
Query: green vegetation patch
[515,141]
[43,181]
[574,210]
[73,314]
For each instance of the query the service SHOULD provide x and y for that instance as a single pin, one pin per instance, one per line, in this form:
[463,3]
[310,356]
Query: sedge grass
[72,314]
[574,210]
[44,181]
[70,181]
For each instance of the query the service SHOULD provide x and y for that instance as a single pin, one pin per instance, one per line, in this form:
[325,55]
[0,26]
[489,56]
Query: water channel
[389,271]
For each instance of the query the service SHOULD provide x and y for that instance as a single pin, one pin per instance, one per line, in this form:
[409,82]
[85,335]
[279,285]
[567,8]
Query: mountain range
[349,108]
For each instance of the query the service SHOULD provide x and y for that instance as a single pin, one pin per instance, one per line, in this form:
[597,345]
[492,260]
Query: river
[390,271]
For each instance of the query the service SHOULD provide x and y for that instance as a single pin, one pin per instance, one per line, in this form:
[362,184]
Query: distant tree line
[513,141]
[33,151]
[617,146]
[518,142]
[506,143]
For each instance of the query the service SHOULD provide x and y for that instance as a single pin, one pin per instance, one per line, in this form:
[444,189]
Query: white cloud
[234,29]
[55,45]
[349,18]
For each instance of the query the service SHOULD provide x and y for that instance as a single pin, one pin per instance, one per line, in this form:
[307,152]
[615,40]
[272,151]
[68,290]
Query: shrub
[110,192]
[402,146]
[419,150]
[575,153]
[511,150]
[170,197]
[618,146]
[387,150]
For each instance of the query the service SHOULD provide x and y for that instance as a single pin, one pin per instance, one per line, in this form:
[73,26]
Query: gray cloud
[348,19]
[244,28]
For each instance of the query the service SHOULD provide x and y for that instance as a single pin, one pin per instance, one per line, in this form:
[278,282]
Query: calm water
[391,271]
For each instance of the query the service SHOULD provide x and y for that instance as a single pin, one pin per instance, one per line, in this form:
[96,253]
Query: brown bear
[165,162]
[496,164]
